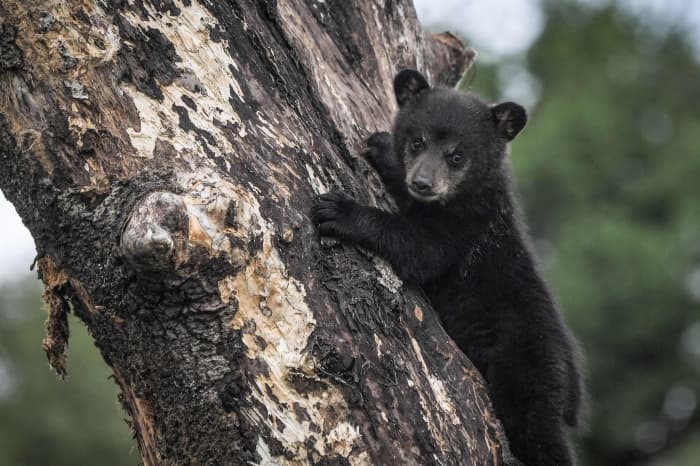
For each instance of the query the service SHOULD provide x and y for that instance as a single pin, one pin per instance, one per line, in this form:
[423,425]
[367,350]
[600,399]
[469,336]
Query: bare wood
[164,156]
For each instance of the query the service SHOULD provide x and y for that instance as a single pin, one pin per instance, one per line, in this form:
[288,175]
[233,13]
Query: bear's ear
[510,119]
[407,85]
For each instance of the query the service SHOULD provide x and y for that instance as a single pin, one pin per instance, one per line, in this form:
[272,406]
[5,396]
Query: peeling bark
[164,155]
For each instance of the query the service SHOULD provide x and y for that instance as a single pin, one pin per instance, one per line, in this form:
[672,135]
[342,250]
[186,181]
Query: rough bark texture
[164,155]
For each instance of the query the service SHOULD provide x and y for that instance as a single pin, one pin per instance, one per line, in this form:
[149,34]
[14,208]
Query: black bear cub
[458,236]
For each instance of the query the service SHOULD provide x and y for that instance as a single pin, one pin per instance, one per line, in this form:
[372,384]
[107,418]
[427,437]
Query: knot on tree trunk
[154,235]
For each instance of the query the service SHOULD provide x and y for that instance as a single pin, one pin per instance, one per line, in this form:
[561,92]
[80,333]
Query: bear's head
[449,141]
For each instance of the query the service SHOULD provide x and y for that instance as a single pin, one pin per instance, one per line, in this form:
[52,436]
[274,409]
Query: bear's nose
[422,184]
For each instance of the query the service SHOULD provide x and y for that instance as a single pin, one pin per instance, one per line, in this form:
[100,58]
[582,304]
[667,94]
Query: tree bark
[164,155]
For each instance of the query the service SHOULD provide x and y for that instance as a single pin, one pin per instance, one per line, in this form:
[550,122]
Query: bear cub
[458,235]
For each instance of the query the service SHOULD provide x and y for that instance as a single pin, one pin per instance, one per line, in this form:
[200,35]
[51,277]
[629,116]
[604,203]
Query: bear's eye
[455,159]
[418,144]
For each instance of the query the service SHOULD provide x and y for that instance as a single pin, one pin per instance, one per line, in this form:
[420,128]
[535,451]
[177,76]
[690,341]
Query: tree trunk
[164,154]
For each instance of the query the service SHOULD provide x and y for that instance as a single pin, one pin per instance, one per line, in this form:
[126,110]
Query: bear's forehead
[448,113]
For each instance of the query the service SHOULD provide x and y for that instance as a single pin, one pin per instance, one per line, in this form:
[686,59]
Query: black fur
[470,253]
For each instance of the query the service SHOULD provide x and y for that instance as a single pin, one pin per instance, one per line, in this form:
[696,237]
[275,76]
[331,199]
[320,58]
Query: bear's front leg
[334,215]
[379,152]
[418,253]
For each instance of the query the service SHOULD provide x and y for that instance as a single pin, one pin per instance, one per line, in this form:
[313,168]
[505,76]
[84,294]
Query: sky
[497,29]
[502,28]
[16,246]
[494,28]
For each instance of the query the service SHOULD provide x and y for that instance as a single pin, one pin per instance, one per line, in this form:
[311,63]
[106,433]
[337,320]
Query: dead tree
[164,155]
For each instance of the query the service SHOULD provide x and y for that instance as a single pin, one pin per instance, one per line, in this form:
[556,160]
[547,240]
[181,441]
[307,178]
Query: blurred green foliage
[609,173]
[44,421]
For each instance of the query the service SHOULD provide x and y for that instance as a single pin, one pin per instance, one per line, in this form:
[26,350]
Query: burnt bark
[164,155]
